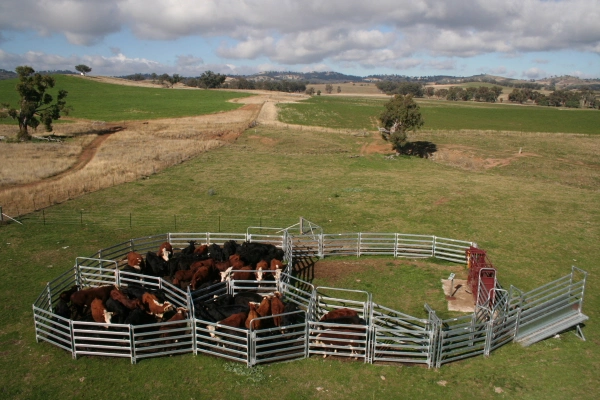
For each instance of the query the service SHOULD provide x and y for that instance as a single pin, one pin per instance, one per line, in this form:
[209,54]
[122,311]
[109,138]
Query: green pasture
[534,217]
[362,113]
[107,102]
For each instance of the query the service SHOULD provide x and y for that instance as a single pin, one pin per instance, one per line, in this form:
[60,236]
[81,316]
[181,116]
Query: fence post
[129,220]
[1,215]
[43,217]
[81,217]
[175,218]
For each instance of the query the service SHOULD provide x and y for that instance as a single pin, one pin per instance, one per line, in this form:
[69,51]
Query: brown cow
[165,251]
[134,260]
[277,307]
[152,305]
[261,266]
[119,296]
[234,321]
[202,275]
[83,298]
[264,309]
[182,275]
[209,262]
[181,315]
[353,338]
[339,313]
[252,314]
[244,274]
[99,312]
[201,249]
[276,268]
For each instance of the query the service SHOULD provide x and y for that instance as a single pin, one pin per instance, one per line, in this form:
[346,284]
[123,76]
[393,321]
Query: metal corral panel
[53,329]
[398,337]
[340,340]
[182,239]
[327,299]
[296,291]
[414,246]
[222,341]
[162,339]
[148,243]
[306,246]
[451,249]
[97,339]
[461,338]
[377,244]
[272,343]
[116,252]
[340,244]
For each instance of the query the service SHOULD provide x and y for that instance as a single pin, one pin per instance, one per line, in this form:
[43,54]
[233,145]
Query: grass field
[119,102]
[353,113]
[534,217]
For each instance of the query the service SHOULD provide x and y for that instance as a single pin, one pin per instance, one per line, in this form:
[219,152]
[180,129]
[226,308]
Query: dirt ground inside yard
[335,271]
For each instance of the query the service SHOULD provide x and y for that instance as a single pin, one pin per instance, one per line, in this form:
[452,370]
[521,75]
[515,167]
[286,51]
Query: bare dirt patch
[471,158]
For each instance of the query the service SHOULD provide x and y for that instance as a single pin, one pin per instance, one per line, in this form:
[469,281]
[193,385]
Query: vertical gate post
[132,343]
[73,349]
[49,297]
[489,333]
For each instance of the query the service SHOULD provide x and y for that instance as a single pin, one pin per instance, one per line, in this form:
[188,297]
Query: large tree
[84,69]
[401,115]
[210,80]
[35,105]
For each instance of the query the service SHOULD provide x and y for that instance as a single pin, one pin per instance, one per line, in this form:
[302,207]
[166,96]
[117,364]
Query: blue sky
[526,39]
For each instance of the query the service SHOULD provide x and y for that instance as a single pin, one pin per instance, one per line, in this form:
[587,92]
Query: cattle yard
[378,335]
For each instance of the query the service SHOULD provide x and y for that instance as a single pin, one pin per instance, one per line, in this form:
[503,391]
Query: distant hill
[4,74]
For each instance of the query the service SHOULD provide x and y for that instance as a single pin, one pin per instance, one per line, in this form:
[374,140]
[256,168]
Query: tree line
[454,93]
[583,98]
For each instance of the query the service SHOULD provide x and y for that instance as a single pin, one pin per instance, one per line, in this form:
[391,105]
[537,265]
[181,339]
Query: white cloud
[534,73]
[378,33]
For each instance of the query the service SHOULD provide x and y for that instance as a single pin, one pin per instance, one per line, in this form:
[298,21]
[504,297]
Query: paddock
[502,315]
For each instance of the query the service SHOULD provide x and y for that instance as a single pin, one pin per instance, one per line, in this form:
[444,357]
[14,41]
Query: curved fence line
[388,335]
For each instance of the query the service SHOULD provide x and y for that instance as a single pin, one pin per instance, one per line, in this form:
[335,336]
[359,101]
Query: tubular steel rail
[501,316]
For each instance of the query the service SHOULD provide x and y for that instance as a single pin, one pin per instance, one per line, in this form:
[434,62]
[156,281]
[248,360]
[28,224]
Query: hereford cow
[153,306]
[99,312]
[82,299]
[165,251]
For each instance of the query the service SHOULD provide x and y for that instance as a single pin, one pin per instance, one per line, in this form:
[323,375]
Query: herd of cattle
[200,267]
[205,265]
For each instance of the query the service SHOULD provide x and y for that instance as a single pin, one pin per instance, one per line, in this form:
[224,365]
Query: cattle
[155,265]
[264,308]
[190,249]
[260,268]
[82,299]
[183,275]
[135,261]
[165,251]
[181,315]
[215,252]
[182,262]
[99,312]
[234,321]
[339,313]
[140,317]
[119,296]
[201,250]
[118,310]
[245,297]
[209,262]
[243,274]
[222,266]
[152,305]
[213,311]
[230,248]
[276,267]
[202,275]
[342,337]
[252,315]
[277,307]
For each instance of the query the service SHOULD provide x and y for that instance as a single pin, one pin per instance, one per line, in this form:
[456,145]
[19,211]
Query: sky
[522,39]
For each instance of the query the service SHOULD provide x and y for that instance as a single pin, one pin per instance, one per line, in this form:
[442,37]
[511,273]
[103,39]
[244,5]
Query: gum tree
[35,104]
[401,115]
